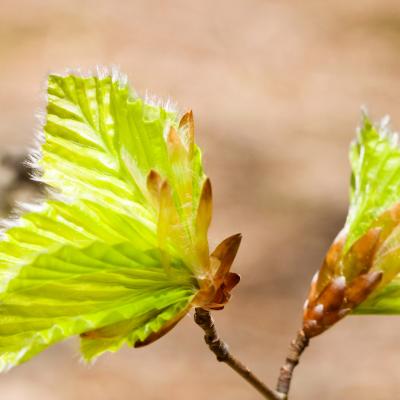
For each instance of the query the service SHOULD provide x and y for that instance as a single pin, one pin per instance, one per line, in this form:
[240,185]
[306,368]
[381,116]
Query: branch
[203,318]
[296,348]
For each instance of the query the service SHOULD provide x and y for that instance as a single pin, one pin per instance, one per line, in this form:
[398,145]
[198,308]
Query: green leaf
[120,253]
[101,143]
[375,181]
[70,290]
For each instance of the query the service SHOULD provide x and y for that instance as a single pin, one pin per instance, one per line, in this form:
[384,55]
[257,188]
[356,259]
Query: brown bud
[361,287]
[320,314]
[330,265]
[361,254]
[333,294]
[225,253]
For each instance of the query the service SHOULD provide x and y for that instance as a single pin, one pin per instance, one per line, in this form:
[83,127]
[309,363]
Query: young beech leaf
[122,255]
[361,270]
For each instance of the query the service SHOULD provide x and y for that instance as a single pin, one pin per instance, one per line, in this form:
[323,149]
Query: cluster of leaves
[360,273]
[118,252]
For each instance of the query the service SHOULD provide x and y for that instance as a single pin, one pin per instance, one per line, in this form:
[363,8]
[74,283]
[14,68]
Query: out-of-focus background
[276,89]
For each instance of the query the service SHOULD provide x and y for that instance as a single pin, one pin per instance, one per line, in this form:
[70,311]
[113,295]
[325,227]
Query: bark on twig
[296,348]
[220,349]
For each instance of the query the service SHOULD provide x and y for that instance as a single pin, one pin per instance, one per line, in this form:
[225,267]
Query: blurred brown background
[276,88]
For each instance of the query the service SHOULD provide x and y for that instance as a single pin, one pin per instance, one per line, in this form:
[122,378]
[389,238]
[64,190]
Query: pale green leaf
[375,182]
[105,259]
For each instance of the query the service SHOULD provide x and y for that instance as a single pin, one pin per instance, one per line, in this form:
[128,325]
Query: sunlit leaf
[375,181]
[119,253]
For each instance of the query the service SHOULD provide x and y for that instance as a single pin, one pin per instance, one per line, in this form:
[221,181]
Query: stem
[203,318]
[296,348]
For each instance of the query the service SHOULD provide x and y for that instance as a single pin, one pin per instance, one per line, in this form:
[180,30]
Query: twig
[203,318]
[296,348]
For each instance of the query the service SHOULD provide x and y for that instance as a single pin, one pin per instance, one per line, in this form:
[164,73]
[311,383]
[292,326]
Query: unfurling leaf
[361,271]
[120,254]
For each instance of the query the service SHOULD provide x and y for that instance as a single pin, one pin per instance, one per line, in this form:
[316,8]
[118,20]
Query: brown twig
[296,348]
[220,349]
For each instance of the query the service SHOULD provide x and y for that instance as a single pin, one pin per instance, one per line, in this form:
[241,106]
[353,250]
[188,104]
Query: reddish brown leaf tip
[204,211]
[231,280]
[226,252]
[228,245]
[153,183]
[153,176]
[206,193]
[187,118]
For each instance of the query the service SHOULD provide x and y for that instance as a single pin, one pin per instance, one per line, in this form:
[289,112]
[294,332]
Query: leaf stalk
[203,318]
